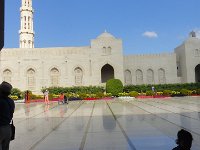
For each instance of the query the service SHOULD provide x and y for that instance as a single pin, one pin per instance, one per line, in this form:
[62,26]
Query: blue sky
[146,26]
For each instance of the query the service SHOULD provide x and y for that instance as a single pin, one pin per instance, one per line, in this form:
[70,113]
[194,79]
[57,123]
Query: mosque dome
[106,35]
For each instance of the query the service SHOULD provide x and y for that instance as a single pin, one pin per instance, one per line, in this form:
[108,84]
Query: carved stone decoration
[150,76]
[78,76]
[128,77]
[161,76]
[139,77]
[31,79]
[7,76]
[54,77]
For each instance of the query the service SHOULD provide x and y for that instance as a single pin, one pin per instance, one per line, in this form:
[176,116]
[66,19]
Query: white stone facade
[34,68]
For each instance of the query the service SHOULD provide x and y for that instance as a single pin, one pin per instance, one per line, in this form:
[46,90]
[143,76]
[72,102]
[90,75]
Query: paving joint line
[122,130]
[18,122]
[165,119]
[169,111]
[86,130]
[45,136]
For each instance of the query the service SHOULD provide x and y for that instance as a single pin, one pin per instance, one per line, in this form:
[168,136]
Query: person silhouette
[7,107]
[184,140]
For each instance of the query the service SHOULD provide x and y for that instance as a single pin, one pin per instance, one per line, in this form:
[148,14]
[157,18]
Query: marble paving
[141,124]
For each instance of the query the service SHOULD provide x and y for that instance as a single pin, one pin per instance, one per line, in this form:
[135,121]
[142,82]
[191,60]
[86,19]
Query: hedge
[162,87]
[76,89]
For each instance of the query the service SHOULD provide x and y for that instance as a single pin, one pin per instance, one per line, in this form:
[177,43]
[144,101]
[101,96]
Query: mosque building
[35,68]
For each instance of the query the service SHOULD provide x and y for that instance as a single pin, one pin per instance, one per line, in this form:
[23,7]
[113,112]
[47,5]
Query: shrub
[82,95]
[80,89]
[186,92]
[100,95]
[162,87]
[108,95]
[159,93]
[114,86]
[167,92]
[17,92]
[149,93]
[134,94]
[123,94]
[198,91]
[14,97]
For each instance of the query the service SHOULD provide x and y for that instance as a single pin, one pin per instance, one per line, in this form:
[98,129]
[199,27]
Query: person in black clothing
[7,107]
[184,140]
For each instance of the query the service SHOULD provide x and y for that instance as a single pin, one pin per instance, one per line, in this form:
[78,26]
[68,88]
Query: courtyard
[140,124]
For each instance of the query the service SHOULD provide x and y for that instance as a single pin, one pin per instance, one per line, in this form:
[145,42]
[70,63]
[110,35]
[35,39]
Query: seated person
[61,98]
[184,140]
[65,99]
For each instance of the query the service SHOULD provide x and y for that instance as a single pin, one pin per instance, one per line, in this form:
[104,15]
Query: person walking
[7,108]
[46,97]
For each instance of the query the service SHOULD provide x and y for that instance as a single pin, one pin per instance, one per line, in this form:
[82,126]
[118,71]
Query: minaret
[26,32]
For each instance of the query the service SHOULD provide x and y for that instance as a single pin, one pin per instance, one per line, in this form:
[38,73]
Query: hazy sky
[145,26]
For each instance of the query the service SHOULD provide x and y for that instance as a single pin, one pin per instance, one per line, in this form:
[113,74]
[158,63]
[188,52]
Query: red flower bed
[156,96]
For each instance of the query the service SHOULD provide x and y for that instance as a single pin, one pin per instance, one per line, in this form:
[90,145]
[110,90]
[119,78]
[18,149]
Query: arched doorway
[107,73]
[197,73]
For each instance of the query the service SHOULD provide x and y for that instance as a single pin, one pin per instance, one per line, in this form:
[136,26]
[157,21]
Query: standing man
[7,107]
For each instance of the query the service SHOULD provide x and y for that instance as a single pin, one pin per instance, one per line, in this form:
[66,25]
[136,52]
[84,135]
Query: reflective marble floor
[150,124]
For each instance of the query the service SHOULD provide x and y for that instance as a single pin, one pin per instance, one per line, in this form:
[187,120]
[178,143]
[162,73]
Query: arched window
[78,76]
[31,79]
[161,76]
[108,52]
[7,75]
[24,22]
[128,77]
[139,77]
[104,50]
[55,77]
[28,22]
[29,44]
[150,76]
[24,43]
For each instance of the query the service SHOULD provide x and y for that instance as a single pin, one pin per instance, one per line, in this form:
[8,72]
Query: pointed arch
[128,77]
[78,76]
[197,73]
[107,73]
[31,76]
[55,77]
[161,76]
[139,77]
[7,75]
[150,76]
